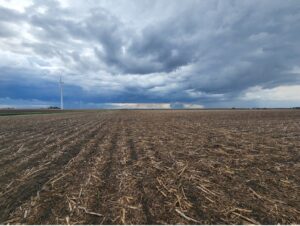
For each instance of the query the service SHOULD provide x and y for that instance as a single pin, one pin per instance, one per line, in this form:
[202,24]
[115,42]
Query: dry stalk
[89,212]
[55,180]
[70,206]
[132,207]
[238,209]
[80,192]
[254,192]
[245,218]
[25,214]
[68,220]
[123,216]
[46,139]
[212,201]
[265,198]
[163,185]
[182,170]
[205,190]
[88,180]
[9,184]
[186,217]
[161,191]
[33,172]
[178,200]
[21,148]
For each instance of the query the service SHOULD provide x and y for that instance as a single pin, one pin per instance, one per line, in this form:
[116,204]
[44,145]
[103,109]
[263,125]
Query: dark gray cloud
[10,15]
[6,31]
[191,51]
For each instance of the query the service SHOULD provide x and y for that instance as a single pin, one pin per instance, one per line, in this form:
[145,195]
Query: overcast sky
[140,53]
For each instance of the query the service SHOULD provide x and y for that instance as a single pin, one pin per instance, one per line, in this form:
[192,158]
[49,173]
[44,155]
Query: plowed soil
[151,167]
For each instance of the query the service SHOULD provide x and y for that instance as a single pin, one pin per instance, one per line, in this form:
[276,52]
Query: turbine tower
[61,94]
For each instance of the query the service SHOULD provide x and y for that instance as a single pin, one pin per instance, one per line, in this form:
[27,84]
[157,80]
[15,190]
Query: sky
[150,54]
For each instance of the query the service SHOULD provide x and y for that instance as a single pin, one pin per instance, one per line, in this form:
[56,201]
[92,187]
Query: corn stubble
[151,167]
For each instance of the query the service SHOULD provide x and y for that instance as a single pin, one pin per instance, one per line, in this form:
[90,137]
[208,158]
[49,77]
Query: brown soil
[151,167]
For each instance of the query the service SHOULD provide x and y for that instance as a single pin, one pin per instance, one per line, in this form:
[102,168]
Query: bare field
[151,167]
[13,112]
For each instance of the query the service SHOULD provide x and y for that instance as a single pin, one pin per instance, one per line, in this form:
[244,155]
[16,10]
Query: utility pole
[61,94]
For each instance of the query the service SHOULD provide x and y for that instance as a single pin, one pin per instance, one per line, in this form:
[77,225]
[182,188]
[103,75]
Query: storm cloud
[174,53]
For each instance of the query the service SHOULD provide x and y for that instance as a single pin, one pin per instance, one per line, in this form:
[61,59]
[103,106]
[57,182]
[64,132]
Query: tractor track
[25,190]
[34,158]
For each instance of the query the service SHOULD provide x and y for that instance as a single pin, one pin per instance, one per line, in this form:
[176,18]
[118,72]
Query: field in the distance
[145,167]
[13,112]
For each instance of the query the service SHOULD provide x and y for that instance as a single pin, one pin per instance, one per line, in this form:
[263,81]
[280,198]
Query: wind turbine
[61,94]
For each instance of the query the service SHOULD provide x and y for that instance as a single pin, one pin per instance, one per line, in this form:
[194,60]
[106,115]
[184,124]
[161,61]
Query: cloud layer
[196,53]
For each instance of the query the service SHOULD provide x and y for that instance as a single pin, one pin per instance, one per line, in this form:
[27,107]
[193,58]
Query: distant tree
[53,107]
